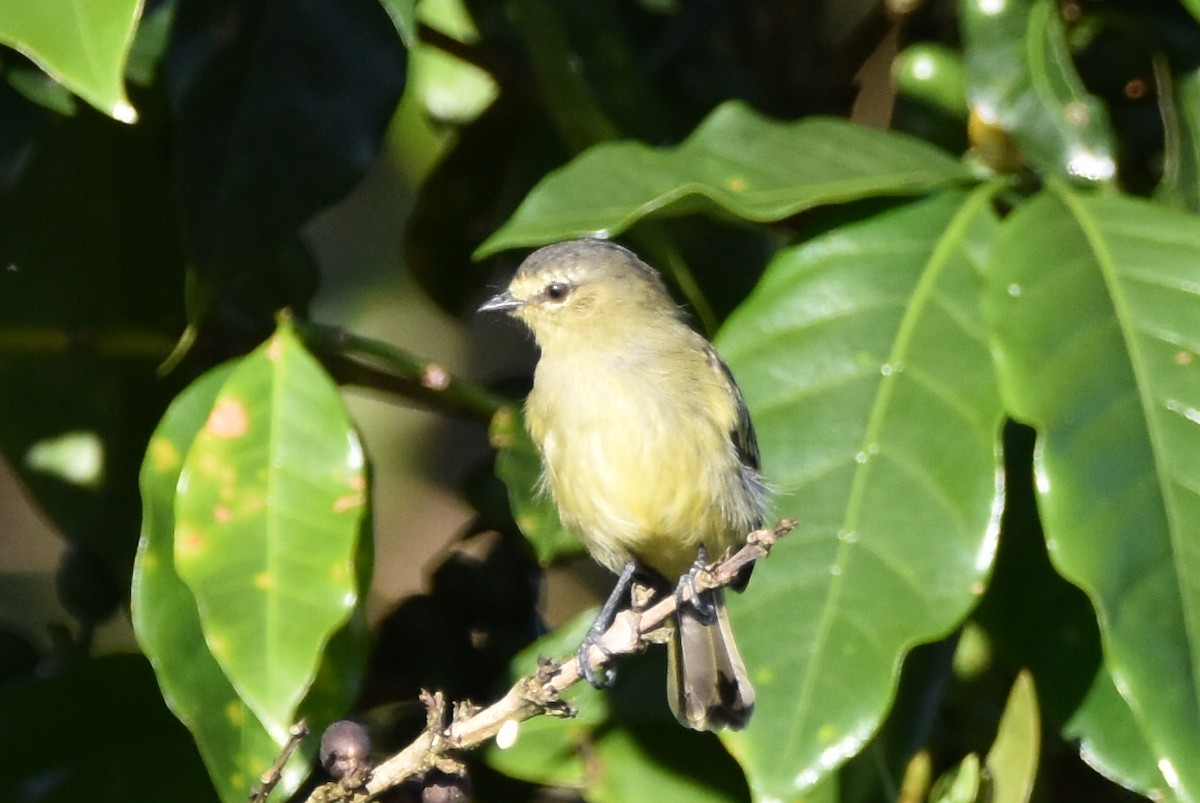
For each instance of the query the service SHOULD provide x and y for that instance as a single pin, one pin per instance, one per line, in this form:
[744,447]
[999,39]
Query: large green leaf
[736,160]
[1111,741]
[81,45]
[863,358]
[1095,307]
[270,502]
[1020,78]
[236,747]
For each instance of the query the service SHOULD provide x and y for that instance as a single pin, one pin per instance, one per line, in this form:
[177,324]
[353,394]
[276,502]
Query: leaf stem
[366,362]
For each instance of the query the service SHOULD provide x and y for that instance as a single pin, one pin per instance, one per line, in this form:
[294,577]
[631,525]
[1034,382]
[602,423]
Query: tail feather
[707,686]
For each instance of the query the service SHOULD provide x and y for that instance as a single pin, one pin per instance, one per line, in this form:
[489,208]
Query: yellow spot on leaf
[235,712]
[264,581]
[217,646]
[189,543]
[528,524]
[737,184]
[228,419]
[500,433]
[347,502]
[221,514]
[163,455]
[1183,358]
[826,733]
[358,481]
[339,572]
[275,349]
[149,561]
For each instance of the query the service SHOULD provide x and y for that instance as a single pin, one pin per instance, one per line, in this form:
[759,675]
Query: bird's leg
[603,679]
[701,603]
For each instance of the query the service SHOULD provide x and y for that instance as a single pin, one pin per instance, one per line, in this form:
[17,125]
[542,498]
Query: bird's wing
[742,432]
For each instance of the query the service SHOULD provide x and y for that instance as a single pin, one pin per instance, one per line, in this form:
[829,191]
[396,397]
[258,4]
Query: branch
[372,363]
[541,692]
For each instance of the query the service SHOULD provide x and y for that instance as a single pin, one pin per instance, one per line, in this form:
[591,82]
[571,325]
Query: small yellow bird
[647,448]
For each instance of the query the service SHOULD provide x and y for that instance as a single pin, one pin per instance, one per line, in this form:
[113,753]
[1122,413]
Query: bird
[647,448]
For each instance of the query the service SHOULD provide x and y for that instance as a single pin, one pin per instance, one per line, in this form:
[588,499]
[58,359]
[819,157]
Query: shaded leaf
[1020,78]
[736,161]
[81,45]
[280,108]
[1094,308]
[863,359]
[89,306]
[270,502]
[97,731]
[520,467]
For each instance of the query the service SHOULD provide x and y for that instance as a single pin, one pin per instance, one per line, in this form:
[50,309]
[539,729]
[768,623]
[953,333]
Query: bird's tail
[707,686]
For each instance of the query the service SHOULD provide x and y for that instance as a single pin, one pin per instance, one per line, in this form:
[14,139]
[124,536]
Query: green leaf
[1111,741]
[735,161]
[1193,6]
[270,502]
[235,746]
[1181,151]
[520,467]
[963,784]
[1020,77]
[97,731]
[1094,306]
[81,45]
[1012,762]
[863,358]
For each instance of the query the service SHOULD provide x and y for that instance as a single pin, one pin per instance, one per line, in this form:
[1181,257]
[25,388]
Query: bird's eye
[557,291]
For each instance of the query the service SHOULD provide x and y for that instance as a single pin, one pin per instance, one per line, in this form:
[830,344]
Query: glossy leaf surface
[863,359]
[736,161]
[1094,306]
[271,498]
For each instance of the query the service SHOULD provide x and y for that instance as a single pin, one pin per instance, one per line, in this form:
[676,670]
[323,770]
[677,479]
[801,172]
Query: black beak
[501,302]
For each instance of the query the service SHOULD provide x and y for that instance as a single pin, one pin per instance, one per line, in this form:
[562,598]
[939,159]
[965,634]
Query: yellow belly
[640,475]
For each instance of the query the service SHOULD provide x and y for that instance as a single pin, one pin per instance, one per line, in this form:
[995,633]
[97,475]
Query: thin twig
[262,789]
[541,692]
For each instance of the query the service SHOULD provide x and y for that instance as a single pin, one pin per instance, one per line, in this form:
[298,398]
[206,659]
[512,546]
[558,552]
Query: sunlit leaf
[1112,742]
[271,498]
[1012,762]
[736,162]
[81,45]
[236,747]
[1095,307]
[864,361]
